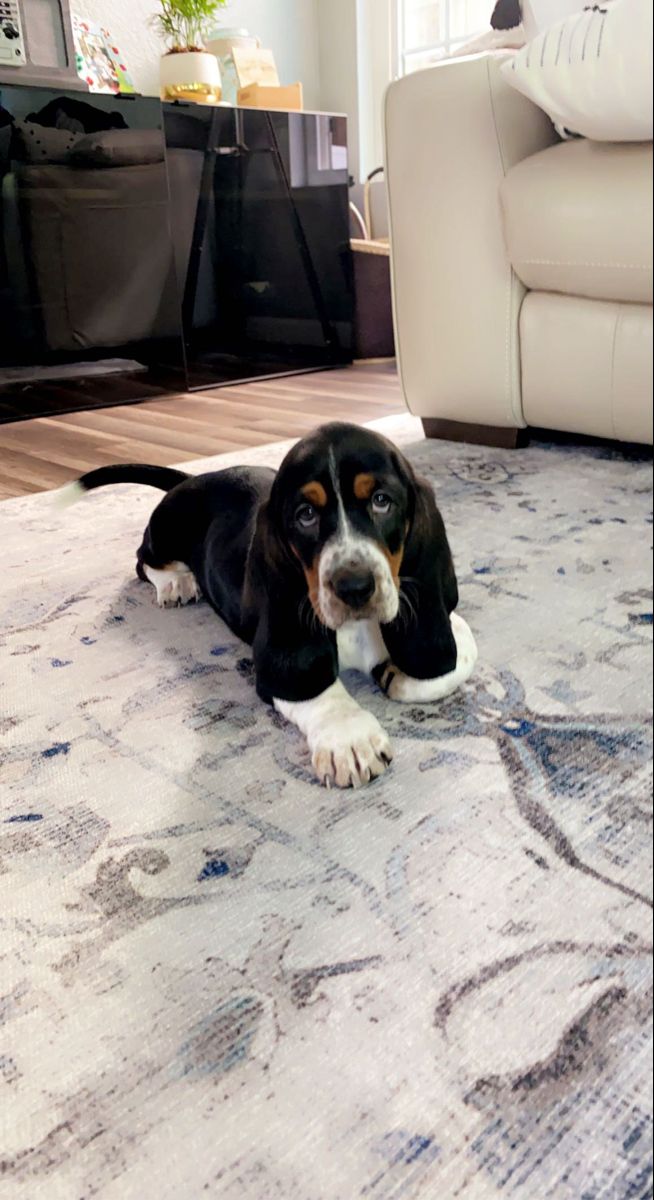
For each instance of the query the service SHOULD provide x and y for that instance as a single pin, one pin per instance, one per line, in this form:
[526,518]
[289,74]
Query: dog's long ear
[420,641]
[294,655]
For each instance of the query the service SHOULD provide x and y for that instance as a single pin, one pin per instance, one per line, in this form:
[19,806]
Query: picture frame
[98,59]
[255,66]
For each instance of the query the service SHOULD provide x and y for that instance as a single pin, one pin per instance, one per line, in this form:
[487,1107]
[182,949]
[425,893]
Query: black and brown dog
[338,560]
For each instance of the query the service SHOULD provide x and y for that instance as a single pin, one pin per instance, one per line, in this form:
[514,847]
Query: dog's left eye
[381,503]
[306,516]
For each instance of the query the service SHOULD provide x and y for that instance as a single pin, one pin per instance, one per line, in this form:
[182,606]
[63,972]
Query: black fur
[424,647]
[507,14]
[164,478]
[295,657]
[238,531]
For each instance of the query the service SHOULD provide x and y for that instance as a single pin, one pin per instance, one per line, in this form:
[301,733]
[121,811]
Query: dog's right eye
[306,516]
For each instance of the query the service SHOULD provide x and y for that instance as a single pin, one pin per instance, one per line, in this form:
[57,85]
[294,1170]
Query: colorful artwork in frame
[98,60]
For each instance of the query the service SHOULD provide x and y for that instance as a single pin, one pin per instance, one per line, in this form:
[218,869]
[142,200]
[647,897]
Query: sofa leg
[476,435]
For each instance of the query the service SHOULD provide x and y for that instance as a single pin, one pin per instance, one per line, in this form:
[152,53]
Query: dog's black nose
[354,588]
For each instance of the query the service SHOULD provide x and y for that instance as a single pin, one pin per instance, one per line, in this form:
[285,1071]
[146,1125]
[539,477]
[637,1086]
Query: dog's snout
[354,588]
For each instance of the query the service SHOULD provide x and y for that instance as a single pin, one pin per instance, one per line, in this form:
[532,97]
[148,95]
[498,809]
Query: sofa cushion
[592,72]
[578,220]
[38,144]
[587,366]
[119,148]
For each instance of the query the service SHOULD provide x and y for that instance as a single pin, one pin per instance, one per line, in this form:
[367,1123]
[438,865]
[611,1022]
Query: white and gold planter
[190,75]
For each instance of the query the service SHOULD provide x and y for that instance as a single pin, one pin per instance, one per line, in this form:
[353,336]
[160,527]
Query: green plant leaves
[184,24]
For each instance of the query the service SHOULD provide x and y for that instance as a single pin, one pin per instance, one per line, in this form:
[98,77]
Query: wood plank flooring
[46,452]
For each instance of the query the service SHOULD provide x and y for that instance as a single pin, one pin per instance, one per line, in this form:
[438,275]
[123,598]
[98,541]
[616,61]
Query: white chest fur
[360,646]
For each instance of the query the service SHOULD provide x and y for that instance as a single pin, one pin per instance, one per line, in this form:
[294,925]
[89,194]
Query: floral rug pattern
[217,978]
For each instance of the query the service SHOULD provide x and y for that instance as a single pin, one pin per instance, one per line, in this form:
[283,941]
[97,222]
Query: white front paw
[175,584]
[186,591]
[407,690]
[351,751]
[178,591]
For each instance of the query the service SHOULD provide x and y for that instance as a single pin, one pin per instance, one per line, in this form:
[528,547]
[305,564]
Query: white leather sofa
[522,265]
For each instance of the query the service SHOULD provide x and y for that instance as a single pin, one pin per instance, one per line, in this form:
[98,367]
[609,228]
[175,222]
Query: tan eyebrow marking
[363,486]
[315,493]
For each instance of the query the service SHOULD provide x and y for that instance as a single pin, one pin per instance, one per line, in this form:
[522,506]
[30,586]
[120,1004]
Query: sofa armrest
[452,133]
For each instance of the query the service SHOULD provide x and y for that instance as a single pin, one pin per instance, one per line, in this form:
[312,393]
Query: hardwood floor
[46,452]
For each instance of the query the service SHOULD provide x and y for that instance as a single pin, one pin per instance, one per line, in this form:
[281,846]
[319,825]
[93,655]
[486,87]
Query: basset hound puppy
[339,560]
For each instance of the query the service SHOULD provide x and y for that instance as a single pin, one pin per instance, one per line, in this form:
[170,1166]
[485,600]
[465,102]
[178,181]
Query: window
[429,30]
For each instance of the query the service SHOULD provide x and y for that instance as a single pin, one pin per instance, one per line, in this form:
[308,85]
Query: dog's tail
[164,478]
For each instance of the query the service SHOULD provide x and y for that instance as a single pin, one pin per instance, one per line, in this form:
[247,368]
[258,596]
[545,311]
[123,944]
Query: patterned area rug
[217,978]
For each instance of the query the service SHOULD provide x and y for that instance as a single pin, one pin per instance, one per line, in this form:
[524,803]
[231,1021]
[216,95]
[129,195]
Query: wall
[289,27]
[338,48]
[338,66]
[354,47]
[374,56]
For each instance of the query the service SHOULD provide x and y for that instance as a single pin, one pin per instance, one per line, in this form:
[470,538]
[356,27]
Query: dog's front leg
[348,745]
[409,690]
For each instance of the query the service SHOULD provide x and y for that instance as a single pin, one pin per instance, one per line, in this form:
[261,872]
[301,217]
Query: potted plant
[188,70]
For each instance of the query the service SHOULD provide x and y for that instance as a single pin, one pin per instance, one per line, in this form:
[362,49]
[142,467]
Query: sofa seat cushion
[587,366]
[578,220]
